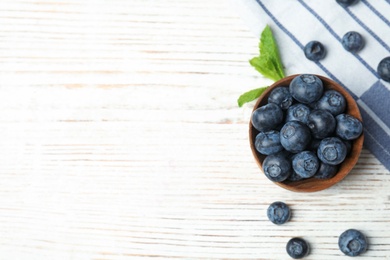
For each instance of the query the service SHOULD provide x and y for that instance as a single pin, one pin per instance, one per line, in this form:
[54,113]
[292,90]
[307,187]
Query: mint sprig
[250,95]
[268,63]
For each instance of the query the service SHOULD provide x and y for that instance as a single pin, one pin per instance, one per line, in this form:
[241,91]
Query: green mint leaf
[266,67]
[250,96]
[269,47]
[268,63]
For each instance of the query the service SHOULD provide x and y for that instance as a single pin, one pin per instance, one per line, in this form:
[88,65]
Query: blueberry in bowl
[320,133]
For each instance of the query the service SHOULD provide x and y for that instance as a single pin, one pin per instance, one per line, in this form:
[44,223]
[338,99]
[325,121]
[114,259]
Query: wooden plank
[121,138]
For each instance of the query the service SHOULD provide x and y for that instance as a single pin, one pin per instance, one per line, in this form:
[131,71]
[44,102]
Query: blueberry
[294,177]
[321,123]
[314,51]
[348,144]
[332,150]
[326,171]
[277,167]
[268,142]
[332,101]
[278,213]
[267,117]
[305,164]
[306,88]
[298,112]
[346,3]
[314,144]
[352,242]
[352,41]
[295,136]
[348,127]
[384,69]
[297,248]
[281,96]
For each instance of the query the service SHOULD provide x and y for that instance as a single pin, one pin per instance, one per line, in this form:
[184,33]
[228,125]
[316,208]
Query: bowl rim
[311,184]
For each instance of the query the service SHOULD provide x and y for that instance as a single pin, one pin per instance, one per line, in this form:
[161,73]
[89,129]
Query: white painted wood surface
[121,139]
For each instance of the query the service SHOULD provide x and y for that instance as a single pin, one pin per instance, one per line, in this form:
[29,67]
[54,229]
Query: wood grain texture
[121,139]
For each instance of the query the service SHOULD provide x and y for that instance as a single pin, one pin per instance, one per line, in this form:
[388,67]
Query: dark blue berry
[384,69]
[306,88]
[268,142]
[281,96]
[348,144]
[326,171]
[346,3]
[294,177]
[352,41]
[314,144]
[277,167]
[332,101]
[278,213]
[305,164]
[267,117]
[321,123]
[297,248]
[352,242]
[332,150]
[314,51]
[298,112]
[295,136]
[348,127]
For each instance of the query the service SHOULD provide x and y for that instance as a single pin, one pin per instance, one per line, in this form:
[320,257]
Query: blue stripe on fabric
[372,70]
[381,42]
[376,12]
[297,42]
[376,140]
[377,98]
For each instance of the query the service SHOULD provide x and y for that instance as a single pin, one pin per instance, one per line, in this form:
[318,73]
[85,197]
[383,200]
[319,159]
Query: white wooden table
[121,139]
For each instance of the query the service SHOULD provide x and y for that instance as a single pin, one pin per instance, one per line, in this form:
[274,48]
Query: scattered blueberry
[306,88]
[305,164]
[348,127]
[332,150]
[297,248]
[384,69]
[326,171]
[332,101]
[295,136]
[281,96]
[277,167]
[346,3]
[267,117]
[314,51]
[321,123]
[352,242]
[352,41]
[298,112]
[278,213]
[268,142]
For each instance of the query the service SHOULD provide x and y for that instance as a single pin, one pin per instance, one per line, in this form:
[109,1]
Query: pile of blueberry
[351,242]
[304,131]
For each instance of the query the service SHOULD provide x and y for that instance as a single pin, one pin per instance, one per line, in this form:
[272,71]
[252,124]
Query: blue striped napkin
[296,22]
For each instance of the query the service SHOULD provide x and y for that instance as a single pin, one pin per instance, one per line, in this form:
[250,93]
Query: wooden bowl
[312,184]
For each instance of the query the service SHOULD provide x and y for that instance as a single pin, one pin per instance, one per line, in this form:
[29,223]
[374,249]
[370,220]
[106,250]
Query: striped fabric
[296,22]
